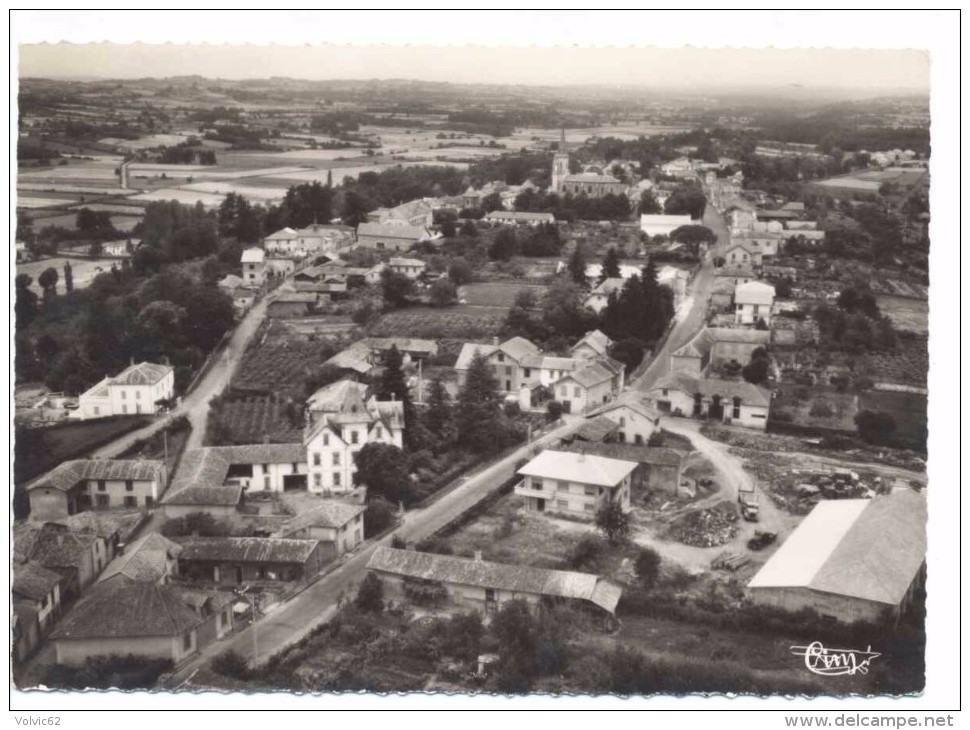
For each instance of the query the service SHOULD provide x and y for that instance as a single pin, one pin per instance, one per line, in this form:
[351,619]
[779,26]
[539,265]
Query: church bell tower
[560,164]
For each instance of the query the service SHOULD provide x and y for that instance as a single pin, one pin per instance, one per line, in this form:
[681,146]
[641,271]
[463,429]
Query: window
[353,437]
[326,439]
[129,485]
[501,357]
[576,392]
[664,391]
[124,394]
[489,594]
[336,458]
[590,491]
[101,485]
[589,507]
[537,484]
[317,481]
[562,504]
[508,369]
[97,411]
[564,391]
[736,413]
[149,501]
[137,395]
[316,458]
[528,372]
[336,478]
[131,501]
[622,420]
[102,501]
[187,643]
[562,486]
[378,432]
[124,408]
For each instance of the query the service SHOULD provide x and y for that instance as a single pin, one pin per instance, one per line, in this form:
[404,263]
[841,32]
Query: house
[24,628]
[233,561]
[39,589]
[254,467]
[230,282]
[735,274]
[729,401]
[595,429]
[850,559]
[78,556]
[254,266]
[352,276]
[589,386]
[279,265]
[416,213]
[592,185]
[738,254]
[213,607]
[292,304]
[136,389]
[658,468]
[574,484]
[128,617]
[337,526]
[242,299]
[516,362]
[518,217]
[411,268]
[483,586]
[369,352]
[757,245]
[662,225]
[84,484]
[216,501]
[390,237]
[151,559]
[716,346]
[313,240]
[752,302]
[333,438]
[637,421]
[681,167]
[594,344]
[722,293]
[600,296]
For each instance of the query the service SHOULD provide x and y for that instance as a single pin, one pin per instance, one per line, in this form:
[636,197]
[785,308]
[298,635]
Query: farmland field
[83,270]
[496,294]
[906,313]
[281,362]
[255,419]
[908,409]
[460,322]
[907,365]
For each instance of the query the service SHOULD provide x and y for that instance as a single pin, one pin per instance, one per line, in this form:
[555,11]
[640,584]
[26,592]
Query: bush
[586,552]
[554,410]
[875,427]
[647,567]
[230,664]
[130,671]
[370,595]
[378,516]
[821,408]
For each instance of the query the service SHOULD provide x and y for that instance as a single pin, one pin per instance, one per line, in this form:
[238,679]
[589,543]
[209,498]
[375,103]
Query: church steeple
[562,139]
[560,163]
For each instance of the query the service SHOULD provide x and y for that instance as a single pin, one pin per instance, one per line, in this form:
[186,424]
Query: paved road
[690,323]
[295,618]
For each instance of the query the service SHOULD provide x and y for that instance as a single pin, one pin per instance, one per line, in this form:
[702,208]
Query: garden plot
[906,313]
[457,322]
[496,294]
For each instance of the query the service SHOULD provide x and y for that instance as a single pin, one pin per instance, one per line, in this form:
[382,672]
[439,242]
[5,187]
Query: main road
[317,603]
[689,323]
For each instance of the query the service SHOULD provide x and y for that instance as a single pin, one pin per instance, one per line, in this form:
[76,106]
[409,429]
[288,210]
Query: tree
[629,351]
[492,201]
[460,271]
[687,199]
[875,427]
[515,630]
[396,288]
[448,229]
[649,204]
[378,516]
[370,595]
[443,293]
[25,308]
[461,636]
[756,371]
[613,522]
[554,410]
[383,469]
[48,282]
[481,426]
[439,418]
[504,246]
[68,277]
[694,236]
[564,312]
[611,265]
[647,567]
[469,229]
[577,265]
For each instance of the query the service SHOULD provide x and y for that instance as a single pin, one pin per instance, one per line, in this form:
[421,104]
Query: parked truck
[748,499]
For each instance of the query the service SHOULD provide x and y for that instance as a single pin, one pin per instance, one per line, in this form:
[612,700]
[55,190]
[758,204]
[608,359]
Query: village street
[289,622]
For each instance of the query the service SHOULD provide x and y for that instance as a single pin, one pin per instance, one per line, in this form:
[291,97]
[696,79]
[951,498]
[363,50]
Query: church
[590,184]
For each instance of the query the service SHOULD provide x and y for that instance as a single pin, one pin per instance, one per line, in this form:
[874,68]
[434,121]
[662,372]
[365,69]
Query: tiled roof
[590,375]
[220,496]
[754,292]
[572,467]
[596,429]
[34,581]
[735,272]
[295,297]
[99,390]
[262,453]
[749,393]
[406,262]
[247,549]
[468,352]
[69,473]
[329,398]
[518,347]
[628,399]
[53,546]
[143,373]
[518,215]
[199,467]
[598,341]
[106,524]
[121,608]
[590,177]
[499,576]
[390,230]
[331,513]
[868,549]
[230,281]
[628,452]
[198,598]
[145,559]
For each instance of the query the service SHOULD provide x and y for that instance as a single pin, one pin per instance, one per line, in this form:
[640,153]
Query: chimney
[478,556]
[495,341]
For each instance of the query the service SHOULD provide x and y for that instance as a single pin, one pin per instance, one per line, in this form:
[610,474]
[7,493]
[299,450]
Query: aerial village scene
[393,385]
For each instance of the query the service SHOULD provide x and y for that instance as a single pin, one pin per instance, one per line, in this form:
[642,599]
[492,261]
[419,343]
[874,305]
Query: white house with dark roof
[574,484]
[333,438]
[593,344]
[591,384]
[717,345]
[237,560]
[254,266]
[637,421]
[411,268]
[483,586]
[729,401]
[137,389]
[85,484]
[850,559]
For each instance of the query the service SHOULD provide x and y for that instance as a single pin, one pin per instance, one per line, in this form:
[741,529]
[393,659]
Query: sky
[548,48]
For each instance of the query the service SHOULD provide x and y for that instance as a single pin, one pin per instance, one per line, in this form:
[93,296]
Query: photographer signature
[835,662]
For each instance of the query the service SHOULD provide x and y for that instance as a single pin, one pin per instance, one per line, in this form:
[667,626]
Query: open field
[496,294]
[908,409]
[463,322]
[908,364]
[906,313]
[83,270]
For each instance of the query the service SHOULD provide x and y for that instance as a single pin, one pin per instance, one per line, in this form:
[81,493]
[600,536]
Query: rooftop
[500,576]
[331,513]
[68,474]
[146,559]
[598,341]
[579,468]
[247,549]
[863,548]
[253,256]
[143,373]
[392,230]
[34,581]
[657,455]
